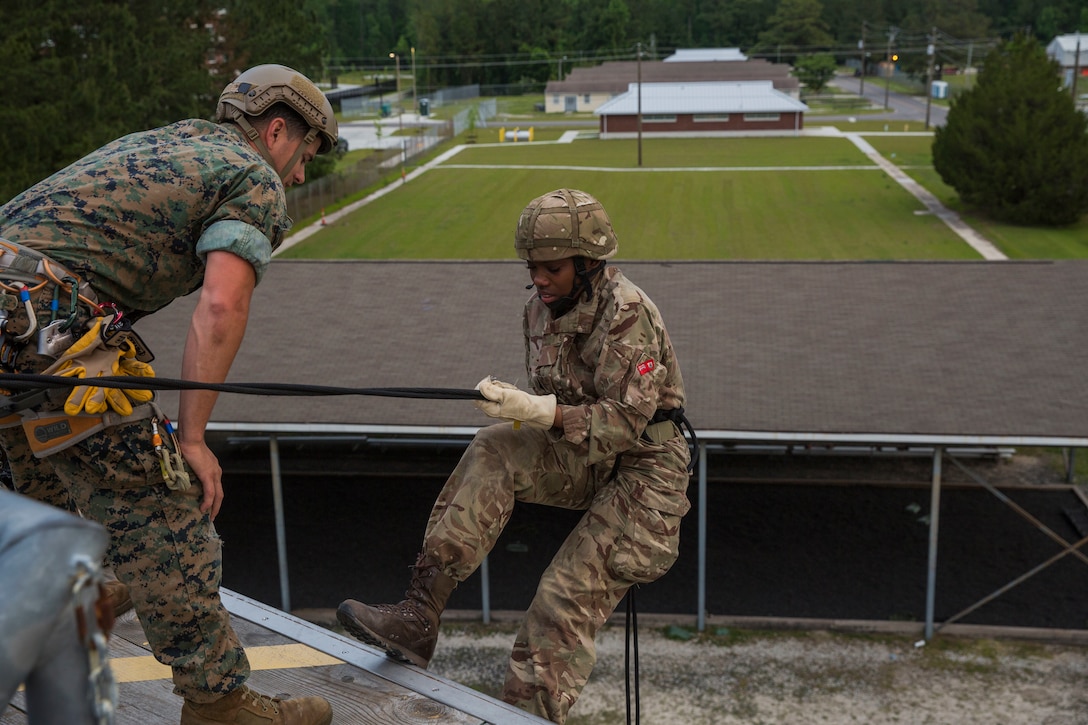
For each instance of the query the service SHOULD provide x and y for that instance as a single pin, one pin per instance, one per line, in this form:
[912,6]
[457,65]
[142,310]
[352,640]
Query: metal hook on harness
[73,306]
[32,324]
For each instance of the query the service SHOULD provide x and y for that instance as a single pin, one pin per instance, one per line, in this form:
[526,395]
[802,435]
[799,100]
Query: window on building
[719,117]
[585,98]
[659,118]
[762,116]
[555,98]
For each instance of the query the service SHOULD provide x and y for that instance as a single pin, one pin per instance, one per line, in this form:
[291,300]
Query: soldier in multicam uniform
[127,229]
[600,434]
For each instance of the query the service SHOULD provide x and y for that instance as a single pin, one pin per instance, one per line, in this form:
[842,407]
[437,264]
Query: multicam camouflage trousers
[161,546]
[628,535]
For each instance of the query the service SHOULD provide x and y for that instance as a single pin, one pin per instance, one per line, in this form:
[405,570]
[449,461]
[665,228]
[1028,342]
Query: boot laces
[405,610]
[265,702]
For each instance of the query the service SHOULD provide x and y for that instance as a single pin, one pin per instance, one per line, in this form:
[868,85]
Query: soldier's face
[553,279]
[297,173]
[281,147]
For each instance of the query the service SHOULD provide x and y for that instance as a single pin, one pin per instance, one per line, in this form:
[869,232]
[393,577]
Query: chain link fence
[313,197]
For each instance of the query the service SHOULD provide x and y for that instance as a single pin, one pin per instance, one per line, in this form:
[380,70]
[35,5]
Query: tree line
[82,72]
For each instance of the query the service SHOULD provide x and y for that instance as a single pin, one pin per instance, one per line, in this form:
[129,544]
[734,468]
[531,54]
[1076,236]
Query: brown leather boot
[407,631]
[244,706]
[117,597]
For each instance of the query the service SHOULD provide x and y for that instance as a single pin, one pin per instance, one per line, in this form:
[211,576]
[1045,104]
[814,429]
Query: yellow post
[502,134]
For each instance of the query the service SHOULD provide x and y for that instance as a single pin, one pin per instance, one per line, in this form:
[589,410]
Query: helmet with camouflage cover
[256,90]
[564,223]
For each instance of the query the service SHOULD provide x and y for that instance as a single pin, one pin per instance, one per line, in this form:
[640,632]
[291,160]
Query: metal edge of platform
[447,692]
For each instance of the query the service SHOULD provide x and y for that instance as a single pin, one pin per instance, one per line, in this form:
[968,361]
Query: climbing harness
[676,417]
[25,272]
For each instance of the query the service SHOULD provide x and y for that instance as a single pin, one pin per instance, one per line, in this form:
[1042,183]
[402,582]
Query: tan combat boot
[246,707]
[407,631]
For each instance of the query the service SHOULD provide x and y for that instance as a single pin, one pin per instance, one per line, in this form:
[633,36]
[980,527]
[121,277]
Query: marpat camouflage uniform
[135,219]
[611,366]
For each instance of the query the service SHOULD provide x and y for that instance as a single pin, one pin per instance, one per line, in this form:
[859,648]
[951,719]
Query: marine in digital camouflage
[128,217]
[611,365]
[135,220]
[161,545]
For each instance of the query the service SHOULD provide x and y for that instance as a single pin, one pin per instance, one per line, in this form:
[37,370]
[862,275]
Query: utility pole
[861,49]
[1076,69]
[638,65]
[400,121]
[400,103]
[890,68]
[970,54]
[931,52]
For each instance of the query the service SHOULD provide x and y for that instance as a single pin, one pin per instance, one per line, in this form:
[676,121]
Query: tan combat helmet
[256,90]
[564,223]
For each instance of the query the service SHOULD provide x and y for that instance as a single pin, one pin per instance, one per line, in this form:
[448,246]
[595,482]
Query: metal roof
[688,55]
[873,352]
[743,97]
[1064,48]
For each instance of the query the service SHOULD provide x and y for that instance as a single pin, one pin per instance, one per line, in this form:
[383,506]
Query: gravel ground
[729,676]
[737,674]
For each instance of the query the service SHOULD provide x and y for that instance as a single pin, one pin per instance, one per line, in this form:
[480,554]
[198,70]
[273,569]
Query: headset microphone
[529,286]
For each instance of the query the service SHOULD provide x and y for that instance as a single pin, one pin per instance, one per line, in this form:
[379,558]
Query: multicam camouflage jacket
[609,362]
[136,217]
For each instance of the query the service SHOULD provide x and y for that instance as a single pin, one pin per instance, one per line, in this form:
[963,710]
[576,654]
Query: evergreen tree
[815,71]
[796,27]
[1015,146]
[81,74]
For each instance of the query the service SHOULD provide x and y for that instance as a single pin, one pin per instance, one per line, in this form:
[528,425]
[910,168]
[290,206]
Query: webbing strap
[50,432]
[26,264]
[677,417]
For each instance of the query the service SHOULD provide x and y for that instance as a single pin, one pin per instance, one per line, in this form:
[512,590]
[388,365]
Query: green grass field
[754,198]
[1017,242]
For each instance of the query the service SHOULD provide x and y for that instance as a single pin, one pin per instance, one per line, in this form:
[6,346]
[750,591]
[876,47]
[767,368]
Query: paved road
[903,107]
[365,134]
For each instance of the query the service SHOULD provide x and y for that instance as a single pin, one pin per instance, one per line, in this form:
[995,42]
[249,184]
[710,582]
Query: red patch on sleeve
[646,367]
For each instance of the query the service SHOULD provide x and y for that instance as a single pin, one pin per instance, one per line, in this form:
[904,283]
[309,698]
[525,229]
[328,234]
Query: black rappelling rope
[18,381]
[630,632]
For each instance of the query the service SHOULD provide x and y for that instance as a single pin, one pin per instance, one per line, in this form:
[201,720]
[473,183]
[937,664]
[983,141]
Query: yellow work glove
[505,401]
[89,358]
[129,365]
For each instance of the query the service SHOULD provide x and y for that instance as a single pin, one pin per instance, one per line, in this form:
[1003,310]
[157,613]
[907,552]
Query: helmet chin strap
[262,148]
[583,287]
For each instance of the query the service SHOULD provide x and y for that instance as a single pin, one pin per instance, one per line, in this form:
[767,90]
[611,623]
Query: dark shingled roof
[823,351]
[614,76]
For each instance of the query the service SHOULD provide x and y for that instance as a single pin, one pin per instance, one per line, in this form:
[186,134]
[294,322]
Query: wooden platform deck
[292,657]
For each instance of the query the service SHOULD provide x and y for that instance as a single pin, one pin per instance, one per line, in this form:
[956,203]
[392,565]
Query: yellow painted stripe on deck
[271,657]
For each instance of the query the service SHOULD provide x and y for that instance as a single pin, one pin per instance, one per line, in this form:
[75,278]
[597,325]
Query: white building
[1071,52]
[715,108]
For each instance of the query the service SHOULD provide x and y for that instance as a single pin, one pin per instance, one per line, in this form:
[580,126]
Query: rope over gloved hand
[90,358]
[506,402]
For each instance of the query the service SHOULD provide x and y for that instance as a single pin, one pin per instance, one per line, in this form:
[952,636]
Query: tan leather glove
[89,358]
[129,365]
[505,401]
